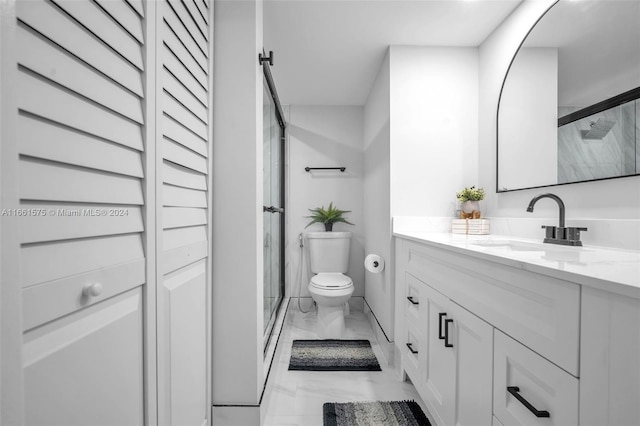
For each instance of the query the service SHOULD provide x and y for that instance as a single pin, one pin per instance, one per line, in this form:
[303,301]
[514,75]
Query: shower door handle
[272,209]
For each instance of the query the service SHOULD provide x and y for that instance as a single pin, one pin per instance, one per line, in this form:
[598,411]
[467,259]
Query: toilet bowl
[330,288]
[331,292]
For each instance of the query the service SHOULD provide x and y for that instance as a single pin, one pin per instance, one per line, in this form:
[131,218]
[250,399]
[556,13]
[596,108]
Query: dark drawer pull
[413,302]
[513,390]
[440,315]
[410,346]
[446,333]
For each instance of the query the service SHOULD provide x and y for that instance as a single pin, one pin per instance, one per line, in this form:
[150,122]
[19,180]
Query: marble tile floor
[296,397]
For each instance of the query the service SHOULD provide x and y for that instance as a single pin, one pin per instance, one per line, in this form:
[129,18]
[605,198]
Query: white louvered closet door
[105,211]
[184,99]
[82,258]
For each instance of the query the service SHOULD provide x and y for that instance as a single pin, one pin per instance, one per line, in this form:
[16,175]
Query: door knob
[94,289]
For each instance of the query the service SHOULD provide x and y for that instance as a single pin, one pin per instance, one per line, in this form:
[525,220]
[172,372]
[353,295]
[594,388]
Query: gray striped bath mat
[393,413]
[333,355]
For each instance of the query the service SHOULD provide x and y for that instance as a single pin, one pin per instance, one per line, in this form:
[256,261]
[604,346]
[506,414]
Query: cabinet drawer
[410,350]
[525,382]
[412,299]
[540,311]
[412,347]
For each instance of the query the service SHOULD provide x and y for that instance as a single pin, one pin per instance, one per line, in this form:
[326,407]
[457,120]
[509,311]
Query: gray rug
[333,355]
[393,413]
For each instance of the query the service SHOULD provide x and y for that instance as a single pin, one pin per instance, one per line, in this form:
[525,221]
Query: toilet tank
[329,251]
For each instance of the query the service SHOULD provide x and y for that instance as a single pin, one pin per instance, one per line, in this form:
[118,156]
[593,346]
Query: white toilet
[329,287]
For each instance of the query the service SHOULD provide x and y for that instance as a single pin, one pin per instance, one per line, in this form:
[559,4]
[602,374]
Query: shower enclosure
[273,205]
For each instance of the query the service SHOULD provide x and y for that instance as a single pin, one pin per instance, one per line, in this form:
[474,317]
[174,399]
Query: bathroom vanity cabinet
[493,341]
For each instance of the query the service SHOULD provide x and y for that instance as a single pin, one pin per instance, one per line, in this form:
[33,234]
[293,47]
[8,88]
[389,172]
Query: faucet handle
[550,231]
[573,233]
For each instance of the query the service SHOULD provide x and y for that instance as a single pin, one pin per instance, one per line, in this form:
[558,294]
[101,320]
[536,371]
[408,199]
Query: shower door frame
[268,332]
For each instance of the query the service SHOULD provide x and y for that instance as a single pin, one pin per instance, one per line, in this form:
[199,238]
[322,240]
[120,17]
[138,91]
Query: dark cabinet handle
[440,315]
[410,346]
[513,390]
[413,302]
[446,333]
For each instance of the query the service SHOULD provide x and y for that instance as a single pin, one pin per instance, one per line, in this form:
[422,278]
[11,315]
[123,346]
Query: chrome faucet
[568,236]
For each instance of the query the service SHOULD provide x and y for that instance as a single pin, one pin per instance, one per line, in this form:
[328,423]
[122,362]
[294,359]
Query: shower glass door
[273,213]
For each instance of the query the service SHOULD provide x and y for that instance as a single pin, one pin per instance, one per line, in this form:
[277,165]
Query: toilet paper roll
[374,263]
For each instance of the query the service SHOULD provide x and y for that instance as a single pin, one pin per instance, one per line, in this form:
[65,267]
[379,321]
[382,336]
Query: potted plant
[328,216]
[468,198]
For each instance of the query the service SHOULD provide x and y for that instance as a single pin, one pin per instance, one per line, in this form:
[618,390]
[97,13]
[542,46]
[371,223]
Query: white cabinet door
[458,376]
[473,346]
[440,363]
[528,389]
[609,359]
[86,368]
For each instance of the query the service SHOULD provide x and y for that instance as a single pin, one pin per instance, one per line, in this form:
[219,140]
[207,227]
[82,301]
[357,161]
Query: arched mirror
[569,110]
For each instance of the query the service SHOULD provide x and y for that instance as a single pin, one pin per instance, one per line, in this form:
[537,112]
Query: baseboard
[236,415]
[387,347]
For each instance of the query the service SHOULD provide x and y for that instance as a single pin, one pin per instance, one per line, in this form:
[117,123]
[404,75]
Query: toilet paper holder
[374,263]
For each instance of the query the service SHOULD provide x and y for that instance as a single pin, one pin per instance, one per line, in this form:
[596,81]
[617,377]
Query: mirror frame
[498,190]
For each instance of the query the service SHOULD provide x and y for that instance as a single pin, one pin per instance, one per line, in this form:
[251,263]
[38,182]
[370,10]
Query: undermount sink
[547,251]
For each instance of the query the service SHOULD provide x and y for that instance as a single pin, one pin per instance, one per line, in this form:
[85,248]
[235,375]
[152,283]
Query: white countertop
[607,269]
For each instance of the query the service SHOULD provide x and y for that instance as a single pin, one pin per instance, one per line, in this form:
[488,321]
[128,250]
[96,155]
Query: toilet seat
[331,281]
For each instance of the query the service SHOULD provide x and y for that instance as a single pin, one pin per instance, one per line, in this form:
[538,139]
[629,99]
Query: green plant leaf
[329,215]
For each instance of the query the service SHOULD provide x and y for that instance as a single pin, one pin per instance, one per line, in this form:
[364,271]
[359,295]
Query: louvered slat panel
[137,6]
[53,63]
[180,134]
[80,139]
[124,15]
[189,25]
[182,197]
[93,18]
[40,97]
[46,262]
[179,155]
[202,9]
[53,24]
[182,34]
[177,175]
[44,139]
[185,128]
[184,96]
[179,217]
[48,181]
[57,222]
[187,77]
[182,115]
[196,17]
[178,59]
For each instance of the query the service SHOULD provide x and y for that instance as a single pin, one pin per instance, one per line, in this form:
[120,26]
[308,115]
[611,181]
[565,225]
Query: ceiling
[328,52]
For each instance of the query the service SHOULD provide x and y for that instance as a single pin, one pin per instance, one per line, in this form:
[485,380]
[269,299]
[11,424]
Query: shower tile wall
[637,103]
[616,154]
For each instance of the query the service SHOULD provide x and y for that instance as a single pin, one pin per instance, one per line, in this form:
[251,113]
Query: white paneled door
[184,59]
[105,211]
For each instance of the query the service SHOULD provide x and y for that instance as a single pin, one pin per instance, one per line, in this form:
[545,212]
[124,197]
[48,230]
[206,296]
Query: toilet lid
[331,281]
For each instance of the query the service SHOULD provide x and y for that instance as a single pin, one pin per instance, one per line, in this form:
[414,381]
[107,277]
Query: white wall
[420,149]
[238,375]
[434,128]
[610,208]
[379,290]
[324,136]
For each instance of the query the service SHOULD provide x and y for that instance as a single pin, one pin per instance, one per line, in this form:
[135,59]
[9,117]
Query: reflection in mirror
[568,110]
